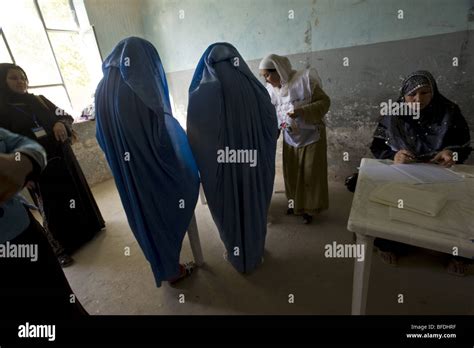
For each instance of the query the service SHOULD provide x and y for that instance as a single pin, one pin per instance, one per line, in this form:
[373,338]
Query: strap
[42,102]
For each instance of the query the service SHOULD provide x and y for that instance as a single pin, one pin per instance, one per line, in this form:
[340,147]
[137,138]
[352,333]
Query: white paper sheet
[380,171]
[424,173]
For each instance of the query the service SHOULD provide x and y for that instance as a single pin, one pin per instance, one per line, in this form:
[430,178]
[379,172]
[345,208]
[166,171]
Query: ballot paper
[409,197]
[381,171]
[424,173]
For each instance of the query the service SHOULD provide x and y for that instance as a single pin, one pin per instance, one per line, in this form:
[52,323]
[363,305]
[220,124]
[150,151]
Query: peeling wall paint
[374,75]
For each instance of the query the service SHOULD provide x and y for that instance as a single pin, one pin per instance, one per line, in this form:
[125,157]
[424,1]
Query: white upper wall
[115,20]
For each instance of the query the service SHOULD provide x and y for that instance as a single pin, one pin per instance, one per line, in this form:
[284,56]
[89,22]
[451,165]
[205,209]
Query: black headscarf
[6,94]
[39,106]
[440,124]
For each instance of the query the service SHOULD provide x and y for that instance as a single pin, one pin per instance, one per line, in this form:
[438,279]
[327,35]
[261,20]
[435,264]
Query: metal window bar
[47,85]
[63,31]
[73,9]
[6,44]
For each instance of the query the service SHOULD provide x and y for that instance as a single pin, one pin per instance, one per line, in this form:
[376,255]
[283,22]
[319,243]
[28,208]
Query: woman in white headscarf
[301,105]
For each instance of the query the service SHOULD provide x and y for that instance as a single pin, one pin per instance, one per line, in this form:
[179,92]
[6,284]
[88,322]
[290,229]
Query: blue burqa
[229,108]
[148,153]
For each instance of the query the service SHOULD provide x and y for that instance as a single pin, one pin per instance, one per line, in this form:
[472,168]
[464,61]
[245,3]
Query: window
[52,40]
[4,53]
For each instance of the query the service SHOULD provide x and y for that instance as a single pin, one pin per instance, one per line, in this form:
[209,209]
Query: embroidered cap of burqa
[148,152]
[229,108]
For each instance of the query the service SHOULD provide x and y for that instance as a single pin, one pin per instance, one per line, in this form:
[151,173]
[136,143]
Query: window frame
[4,38]
[47,31]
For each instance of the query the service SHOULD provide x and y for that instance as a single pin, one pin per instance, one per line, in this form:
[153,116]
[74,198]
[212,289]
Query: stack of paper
[429,210]
[456,219]
[409,197]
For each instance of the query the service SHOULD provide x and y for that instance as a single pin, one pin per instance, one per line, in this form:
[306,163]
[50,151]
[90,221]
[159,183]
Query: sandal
[186,270]
[226,256]
[389,257]
[307,219]
[65,260]
[457,267]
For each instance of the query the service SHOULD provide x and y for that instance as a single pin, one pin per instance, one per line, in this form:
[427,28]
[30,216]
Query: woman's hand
[60,132]
[404,156]
[30,185]
[444,158]
[296,113]
[13,175]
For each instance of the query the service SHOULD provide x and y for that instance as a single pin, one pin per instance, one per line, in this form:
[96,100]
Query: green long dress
[305,168]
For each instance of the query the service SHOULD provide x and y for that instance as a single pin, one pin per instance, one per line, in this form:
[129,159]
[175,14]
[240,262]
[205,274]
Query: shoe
[65,260]
[389,257]
[307,219]
[270,220]
[457,267]
[186,270]
[226,257]
[290,211]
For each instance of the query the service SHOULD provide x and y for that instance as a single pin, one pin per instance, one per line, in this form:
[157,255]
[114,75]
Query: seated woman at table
[438,134]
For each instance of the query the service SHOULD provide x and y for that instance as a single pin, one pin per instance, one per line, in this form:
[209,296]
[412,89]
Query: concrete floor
[108,282]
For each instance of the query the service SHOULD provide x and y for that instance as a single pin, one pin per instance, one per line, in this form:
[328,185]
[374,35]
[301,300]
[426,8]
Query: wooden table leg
[193,235]
[360,285]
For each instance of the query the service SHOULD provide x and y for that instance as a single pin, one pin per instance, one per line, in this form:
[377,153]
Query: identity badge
[39,132]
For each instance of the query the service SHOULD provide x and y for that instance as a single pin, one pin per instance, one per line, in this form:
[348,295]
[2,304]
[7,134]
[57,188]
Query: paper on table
[411,198]
[425,173]
[380,171]
[455,219]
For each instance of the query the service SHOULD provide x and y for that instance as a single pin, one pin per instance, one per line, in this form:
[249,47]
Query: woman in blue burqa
[232,130]
[148,153]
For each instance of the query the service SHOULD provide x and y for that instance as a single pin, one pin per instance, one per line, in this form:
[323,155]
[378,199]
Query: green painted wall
[258,27]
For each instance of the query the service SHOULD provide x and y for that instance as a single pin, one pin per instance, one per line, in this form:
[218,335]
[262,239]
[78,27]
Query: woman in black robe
[70,214]
[33,284]
[438,134]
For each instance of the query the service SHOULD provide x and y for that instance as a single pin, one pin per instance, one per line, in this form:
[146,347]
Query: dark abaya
[69,210]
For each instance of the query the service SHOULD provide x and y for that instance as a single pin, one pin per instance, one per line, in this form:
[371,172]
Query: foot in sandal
[388,257]
[307,219]
[226,256]
[186,270]
[457,267]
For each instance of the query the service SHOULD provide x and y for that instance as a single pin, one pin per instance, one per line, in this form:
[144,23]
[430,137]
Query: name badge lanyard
[34,117]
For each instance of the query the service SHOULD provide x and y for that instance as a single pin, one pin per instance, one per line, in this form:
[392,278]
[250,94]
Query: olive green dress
[305,168]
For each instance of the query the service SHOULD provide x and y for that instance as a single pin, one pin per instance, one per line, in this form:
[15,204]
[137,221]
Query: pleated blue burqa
[148,153]
[229,109]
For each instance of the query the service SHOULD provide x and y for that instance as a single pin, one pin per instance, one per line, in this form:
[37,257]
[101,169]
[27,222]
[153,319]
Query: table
[195,242]
[369,220]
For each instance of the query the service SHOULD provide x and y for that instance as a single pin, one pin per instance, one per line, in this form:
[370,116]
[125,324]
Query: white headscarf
[284,69]
[296,90]
[281,64]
